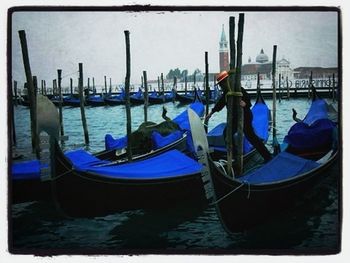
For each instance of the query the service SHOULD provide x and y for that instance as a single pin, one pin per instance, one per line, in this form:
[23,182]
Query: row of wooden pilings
[32,87]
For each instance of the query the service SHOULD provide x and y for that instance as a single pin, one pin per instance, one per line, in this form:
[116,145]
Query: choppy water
[36,226]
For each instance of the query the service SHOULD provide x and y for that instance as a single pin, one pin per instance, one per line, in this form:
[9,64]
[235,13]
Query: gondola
[188,97]
[155,98]
[30,180]
[116,99]
[262,192]
[94,188]
[72,101]
[95,101]
[137,98]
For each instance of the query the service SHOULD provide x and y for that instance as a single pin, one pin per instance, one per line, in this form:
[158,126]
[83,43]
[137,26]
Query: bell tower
[223,51]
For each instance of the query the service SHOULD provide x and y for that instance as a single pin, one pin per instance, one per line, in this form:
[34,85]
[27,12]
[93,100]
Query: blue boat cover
[81,158]
[318,110]
[28,170]
[153,94]
[304,136]
[111,143]
[95,98]
[182,119]
[167,165]
[160,141]
[138,94]
[281,167]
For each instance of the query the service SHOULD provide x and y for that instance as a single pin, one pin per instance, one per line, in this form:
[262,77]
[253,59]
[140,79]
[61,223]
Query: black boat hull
[88,194]
[247,205]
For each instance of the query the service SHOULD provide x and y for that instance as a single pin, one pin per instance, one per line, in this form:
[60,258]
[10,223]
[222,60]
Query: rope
[226,195]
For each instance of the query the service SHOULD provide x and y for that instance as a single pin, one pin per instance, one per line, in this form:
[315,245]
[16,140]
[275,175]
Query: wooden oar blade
[47,116]
[200,143]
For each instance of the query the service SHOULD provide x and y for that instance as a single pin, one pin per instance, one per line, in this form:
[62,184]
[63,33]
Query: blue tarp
[315,131]
[283,166]
[318,110]
[160,141]
[182,119]
[28,170]
[138,94]
[304,136]
[167,165]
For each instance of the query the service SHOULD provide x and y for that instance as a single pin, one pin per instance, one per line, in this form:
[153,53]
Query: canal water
[37,227]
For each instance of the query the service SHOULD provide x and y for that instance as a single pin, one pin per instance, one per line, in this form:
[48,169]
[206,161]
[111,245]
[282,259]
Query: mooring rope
[226,195]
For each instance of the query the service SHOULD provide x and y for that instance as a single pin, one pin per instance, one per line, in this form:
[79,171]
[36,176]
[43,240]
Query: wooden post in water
[45,90]
[59,77]
[145,94]
[110,86]
[42,87]
[333,88]
[237,99]
[158,85]
[82,103]
[12,113]
[310,85]
[127,95]
[93,86]
[15,90]
[105,84]
[173,91]
[230,102]
[274,92]
[207,91]
[279,88]
[31,93]
[162,79]
[287,88]
[71,87]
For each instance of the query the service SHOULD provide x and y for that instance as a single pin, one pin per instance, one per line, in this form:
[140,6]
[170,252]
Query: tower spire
[223,50]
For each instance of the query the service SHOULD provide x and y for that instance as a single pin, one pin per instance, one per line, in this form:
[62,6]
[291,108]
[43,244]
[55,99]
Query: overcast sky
[161,41]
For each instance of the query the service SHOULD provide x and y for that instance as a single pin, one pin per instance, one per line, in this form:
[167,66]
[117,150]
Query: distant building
[223,51]
[263,66]
[317,72]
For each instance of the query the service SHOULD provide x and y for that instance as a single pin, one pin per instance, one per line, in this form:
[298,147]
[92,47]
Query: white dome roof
[262,58]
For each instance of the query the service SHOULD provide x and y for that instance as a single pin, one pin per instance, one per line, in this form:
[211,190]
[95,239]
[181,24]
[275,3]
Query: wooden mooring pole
[287,88]
[71,87]
[105,84]
[333,87]
[82,103]
[15,90]
[174,89]
[230,102]
[207,91]
[237,99]
[127,95]
[145,95]
[274,92]
[12,113]
[310,86]
[162,79]
[59,78]
[31,93]
[279,88]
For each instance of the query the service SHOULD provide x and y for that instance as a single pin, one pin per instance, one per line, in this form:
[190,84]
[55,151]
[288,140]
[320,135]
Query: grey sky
[164,40]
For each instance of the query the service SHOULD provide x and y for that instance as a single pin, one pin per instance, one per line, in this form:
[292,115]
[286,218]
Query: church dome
[262,57]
